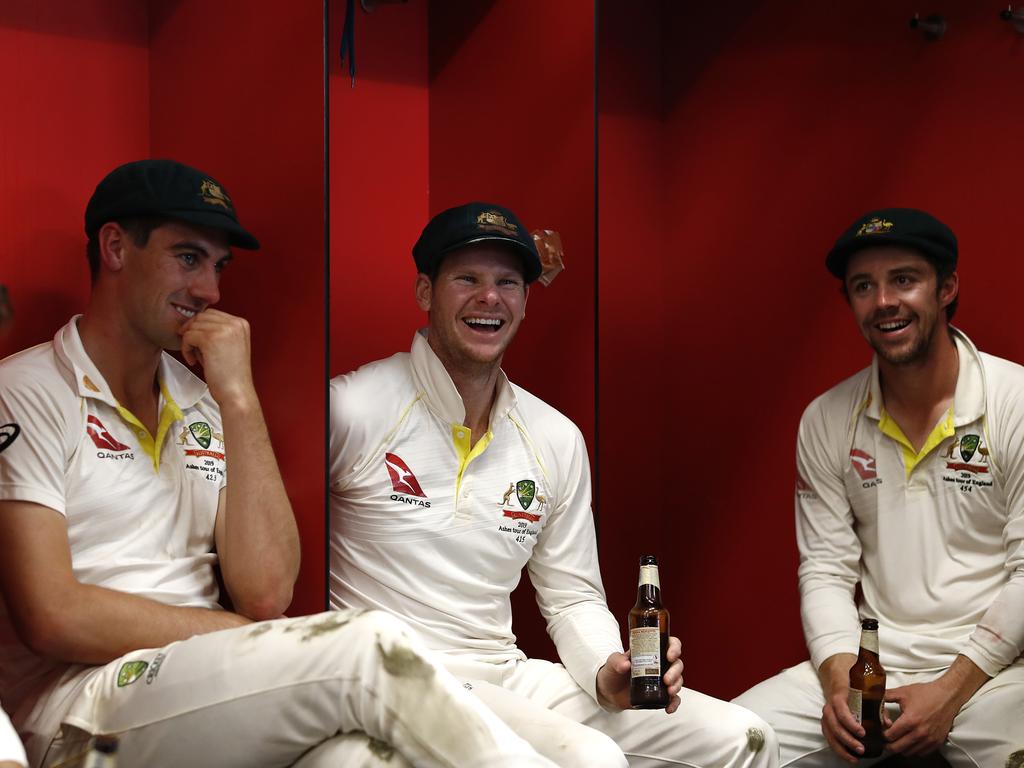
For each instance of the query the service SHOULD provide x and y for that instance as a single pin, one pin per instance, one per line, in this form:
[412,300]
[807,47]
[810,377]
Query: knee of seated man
[391,635]
[587,748]
[748,729]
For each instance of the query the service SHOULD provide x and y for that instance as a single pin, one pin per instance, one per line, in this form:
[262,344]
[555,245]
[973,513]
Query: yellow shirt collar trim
[912,458]
[169,413]
[462,439]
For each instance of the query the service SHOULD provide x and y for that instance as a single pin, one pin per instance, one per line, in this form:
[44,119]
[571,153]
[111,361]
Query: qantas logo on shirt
[864,464]
[803,489]
[102,438]
[403,481]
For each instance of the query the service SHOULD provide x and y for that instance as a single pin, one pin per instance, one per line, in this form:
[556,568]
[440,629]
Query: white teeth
[483,321]
[893,326]
[186,312]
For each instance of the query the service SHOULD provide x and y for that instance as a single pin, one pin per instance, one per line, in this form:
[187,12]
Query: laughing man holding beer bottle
[446,480]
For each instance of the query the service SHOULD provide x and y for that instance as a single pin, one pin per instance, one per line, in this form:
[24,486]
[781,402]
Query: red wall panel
[75,85]
[781,122]
[237,89]
[633,369]
[512,122]
[378,181]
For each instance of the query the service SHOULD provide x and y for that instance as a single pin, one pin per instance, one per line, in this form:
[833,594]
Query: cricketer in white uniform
[113,492]
[911,487]
[446,480]
[12,754]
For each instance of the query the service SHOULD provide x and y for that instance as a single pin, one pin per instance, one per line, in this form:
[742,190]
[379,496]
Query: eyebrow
[900,270]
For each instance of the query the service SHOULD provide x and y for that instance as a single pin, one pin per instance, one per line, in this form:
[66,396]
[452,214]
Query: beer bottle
[648,641]
[102,752]
[867,689]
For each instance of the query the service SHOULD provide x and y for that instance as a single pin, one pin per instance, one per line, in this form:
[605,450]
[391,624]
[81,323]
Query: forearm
[93,625]
[829,615]
[257,539]
[998,638]
[584,639]
[962,680]
[834,672]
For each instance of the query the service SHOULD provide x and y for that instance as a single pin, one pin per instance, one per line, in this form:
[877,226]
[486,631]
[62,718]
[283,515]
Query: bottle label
[869,640]
[649,575]
[645,651]
[856,701]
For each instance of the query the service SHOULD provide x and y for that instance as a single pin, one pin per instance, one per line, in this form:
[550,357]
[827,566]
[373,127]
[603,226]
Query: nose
[205,286]
[886,297]
[488,293]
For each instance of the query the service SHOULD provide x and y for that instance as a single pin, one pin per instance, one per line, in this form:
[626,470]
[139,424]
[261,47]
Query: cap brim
[531,262]
[837,258]
[237,235]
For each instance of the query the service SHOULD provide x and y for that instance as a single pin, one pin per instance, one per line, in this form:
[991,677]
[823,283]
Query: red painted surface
[503,113]
[237,89]
[234,88]
[378,181]
[512,122]
[777,124]
[75,85]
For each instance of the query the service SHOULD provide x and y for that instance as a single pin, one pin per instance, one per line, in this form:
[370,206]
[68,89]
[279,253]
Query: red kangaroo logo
[864,464]
[101,437]
[402,478]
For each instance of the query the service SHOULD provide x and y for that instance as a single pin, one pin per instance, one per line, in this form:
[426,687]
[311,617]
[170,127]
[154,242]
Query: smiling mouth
[484,324]
[185,312]
[892,326]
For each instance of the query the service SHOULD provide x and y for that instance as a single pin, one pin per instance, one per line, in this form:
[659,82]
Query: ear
[424,292]
[949,290]
[112,241]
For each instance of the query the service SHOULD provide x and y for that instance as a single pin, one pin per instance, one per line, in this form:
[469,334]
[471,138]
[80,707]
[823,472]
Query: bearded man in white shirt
[910,510]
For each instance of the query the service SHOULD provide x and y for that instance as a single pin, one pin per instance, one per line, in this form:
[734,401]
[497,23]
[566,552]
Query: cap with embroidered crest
[165,188]
[475,223]
[907,227]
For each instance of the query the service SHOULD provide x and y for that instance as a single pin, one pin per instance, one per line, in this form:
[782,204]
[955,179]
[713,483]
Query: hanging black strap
[348,40]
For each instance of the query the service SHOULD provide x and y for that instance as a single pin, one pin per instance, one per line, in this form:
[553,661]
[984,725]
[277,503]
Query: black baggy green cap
[475,223]
[165,188]
[907,227]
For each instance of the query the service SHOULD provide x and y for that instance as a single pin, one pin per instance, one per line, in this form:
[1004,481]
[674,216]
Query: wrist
[238,402]
[962,680]
[834,673]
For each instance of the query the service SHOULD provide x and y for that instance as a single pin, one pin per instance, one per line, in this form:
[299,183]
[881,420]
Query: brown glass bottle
[648,641]
[867,689]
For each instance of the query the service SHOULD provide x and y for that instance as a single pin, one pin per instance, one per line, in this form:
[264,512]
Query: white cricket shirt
[140,509]
[438,533]
[935,538]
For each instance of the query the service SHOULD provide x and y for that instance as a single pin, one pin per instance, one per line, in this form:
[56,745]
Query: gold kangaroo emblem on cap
[213,194]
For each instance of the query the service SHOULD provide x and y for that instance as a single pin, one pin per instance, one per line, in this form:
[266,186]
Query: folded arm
[60,618]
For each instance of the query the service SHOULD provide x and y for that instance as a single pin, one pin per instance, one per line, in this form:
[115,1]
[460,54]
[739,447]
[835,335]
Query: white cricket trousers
[541,702]
[988,732]
[280,693]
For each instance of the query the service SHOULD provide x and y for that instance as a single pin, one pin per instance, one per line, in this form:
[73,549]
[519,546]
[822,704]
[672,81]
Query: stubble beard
[917,352]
